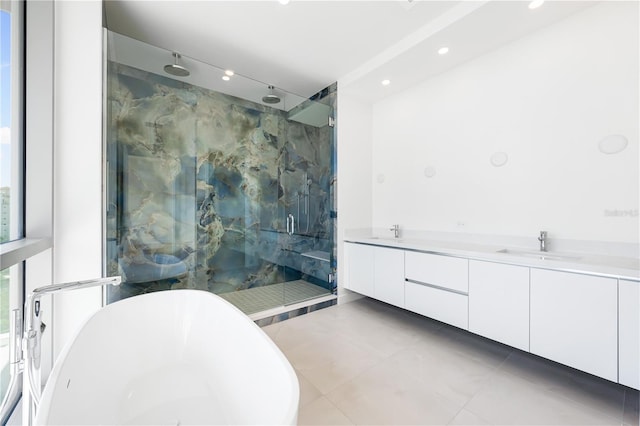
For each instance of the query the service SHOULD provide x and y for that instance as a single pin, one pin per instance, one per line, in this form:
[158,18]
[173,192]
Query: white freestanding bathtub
[175,357]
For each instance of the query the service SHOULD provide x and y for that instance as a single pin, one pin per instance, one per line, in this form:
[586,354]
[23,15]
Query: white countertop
[585,263]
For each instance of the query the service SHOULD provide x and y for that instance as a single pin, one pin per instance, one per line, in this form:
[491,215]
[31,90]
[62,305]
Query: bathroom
[408,151]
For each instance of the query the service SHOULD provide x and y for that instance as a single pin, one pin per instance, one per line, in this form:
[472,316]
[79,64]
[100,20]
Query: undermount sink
[397,240]
[542,255]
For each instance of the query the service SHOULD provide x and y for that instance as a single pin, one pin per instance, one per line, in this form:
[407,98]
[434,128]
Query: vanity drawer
[441,271]
[450,308]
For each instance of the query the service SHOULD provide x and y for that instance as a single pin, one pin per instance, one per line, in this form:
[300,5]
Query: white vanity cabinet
[437,287]
[574,320]
[389,275]
[359,268]
[629,333]
[376,272]
[499,302]
[587,321]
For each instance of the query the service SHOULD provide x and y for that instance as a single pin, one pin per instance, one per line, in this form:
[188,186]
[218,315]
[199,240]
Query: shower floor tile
[259,299]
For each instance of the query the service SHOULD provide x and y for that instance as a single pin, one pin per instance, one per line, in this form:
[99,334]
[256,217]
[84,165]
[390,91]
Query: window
[12,28]
[11,120]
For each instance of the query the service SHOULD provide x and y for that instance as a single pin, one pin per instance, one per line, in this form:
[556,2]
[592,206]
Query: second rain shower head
[271,98]
[175,69]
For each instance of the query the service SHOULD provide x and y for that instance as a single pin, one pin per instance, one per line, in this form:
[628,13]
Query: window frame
[14,251]
[35,249]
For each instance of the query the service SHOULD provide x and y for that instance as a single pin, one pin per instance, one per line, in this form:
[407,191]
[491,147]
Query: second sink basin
[539,254]
[390,239]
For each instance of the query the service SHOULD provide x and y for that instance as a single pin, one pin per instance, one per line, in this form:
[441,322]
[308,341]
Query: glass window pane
[10,286]
[11,121]
[4,330]
[12,28]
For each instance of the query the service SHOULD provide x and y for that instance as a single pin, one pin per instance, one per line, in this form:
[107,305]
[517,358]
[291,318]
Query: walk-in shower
[208,187]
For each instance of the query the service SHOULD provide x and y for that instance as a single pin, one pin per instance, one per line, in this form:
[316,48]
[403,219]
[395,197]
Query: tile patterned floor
[259,299]
[369,363]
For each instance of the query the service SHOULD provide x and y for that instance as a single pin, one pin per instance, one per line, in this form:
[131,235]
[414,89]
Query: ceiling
[304,46]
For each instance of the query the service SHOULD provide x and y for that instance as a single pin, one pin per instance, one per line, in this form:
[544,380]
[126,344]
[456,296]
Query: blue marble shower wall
[200,184]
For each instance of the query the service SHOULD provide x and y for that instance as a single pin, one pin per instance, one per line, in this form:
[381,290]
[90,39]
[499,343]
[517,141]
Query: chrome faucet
[396,230]
[543,240]
[34,327]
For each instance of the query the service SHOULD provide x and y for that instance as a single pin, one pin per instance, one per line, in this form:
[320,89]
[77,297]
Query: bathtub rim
[49,388]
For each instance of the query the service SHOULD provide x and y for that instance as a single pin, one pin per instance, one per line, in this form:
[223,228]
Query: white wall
[546,100]
[354,170]
[77,162]
[39,156]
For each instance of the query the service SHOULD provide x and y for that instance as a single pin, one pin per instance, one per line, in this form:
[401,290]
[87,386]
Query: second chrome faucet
[396,230]
[543,240]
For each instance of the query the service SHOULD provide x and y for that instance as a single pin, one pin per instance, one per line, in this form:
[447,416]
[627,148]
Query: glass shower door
[308,182]
[150,190]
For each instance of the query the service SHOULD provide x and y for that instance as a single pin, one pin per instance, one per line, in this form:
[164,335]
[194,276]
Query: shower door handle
[291,224]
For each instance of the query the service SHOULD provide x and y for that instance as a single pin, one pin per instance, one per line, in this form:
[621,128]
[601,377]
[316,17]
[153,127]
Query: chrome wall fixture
[175,69]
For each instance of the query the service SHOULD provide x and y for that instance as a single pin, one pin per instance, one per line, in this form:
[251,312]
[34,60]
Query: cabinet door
[359,265]
[446,306]
[499,302]
[629,333]
[389,275]
[436,270]
[574,321]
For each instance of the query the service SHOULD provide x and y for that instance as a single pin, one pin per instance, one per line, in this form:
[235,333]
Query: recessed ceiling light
[386,82]
[229,72]
[283,2]
[443,50]
[535,4]
[226,78]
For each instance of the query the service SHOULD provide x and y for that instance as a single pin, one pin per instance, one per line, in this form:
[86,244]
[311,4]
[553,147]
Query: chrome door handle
[291,224]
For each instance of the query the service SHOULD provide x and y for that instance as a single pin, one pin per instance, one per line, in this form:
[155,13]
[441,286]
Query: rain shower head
[175,69]
[271,98]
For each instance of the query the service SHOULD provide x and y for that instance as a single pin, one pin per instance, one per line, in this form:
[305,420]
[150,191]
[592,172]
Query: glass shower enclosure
[209,187]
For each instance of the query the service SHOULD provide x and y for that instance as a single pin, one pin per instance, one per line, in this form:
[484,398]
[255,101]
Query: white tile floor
[366,362]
